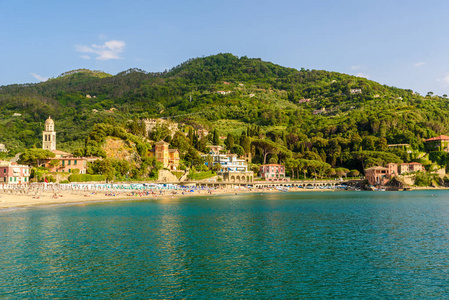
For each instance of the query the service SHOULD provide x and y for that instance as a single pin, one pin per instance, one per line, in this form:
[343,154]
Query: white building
[232,168]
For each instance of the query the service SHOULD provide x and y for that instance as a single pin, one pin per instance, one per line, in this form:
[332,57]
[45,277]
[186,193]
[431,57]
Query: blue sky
[399,43]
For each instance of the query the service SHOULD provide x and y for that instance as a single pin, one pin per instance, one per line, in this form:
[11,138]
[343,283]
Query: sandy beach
[15,200]
[19,199]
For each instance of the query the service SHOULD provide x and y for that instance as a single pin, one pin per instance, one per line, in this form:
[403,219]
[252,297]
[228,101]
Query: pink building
[273,172]
[12,173]
[67,164]
[379,175]
[411,167]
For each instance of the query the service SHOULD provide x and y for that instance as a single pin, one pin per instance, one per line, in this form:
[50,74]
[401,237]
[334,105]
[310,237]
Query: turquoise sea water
[383,245]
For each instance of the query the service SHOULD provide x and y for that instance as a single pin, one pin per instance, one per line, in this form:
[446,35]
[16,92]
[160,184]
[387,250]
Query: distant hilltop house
[202,133]
[303,101]
[319,111]
[111,110]
[16,115]
[405,147]
[214,149]
[225,82]
[355,91]
[63,161]
[150,124]
[224,92]
[439,143]
[89,96]
[379,175]
[168,157]
[3,148]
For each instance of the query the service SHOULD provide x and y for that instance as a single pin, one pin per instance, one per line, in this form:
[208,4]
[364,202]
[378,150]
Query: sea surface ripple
[273,246]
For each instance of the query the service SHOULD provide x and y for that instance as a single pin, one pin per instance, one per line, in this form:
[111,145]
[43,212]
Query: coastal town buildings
[379,175]
[273,172]
[439,143]
[232,168]
[13,173]
[168,157]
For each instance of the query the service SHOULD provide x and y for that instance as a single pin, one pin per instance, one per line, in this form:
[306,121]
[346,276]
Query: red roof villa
[439,143]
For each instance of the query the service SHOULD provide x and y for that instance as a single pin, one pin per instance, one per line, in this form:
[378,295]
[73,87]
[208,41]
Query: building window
[69,162]
[75,162]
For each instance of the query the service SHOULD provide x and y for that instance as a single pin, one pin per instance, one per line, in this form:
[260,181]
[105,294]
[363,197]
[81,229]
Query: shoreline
[13,201]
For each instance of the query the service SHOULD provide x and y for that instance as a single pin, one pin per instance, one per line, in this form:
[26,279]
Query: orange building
[168,157]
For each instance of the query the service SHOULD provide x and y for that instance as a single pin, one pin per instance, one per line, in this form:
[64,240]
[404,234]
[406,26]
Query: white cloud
[362,75]
[109,50]
[39,77]
[357,67]
[419,64]
[444,80]
[85,56]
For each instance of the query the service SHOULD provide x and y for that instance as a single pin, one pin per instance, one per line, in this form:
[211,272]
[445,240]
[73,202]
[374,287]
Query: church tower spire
[49,135]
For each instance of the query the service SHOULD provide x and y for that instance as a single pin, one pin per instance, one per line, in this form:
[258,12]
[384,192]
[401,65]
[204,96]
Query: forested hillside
[233,95]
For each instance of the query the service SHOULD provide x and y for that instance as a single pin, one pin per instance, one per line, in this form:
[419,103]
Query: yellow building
[168,157]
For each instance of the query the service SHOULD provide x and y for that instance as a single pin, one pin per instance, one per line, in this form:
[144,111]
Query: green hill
[231,94]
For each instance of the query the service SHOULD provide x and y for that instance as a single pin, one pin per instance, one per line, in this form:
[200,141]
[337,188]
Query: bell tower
[49,135]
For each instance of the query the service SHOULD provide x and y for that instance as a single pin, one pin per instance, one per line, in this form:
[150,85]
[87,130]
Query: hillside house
[214,149]
[224,92]
[303,101]
[439,143]
[355,91]
[202,133]
[168,157]
[404,147]
[319,111]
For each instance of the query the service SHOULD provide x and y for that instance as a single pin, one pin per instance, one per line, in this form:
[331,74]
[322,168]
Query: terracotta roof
[376,168]
[438,138]
[162,142]
[59,152]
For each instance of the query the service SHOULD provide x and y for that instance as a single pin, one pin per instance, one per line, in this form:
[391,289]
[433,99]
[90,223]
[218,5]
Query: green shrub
[201,175]
[86,178]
